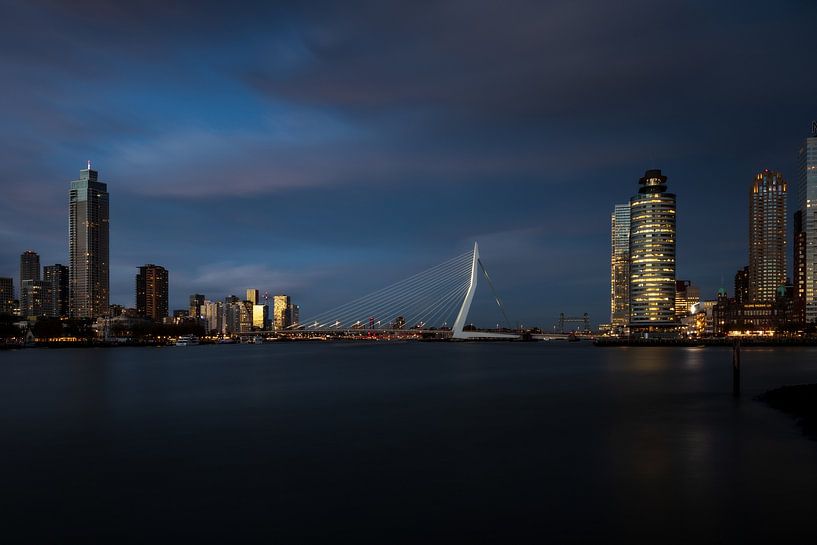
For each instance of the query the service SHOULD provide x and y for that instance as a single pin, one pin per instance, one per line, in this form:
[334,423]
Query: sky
[327,149]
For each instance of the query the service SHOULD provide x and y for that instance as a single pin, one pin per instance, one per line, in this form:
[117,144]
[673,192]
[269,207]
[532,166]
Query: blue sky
[328,149]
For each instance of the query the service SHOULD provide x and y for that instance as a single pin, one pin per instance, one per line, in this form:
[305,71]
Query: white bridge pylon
[457,331]
[438,298]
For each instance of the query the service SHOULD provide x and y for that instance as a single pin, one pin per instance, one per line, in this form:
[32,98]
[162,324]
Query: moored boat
[187,340]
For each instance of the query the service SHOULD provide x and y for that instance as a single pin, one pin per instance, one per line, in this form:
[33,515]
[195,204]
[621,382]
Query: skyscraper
[58,276]
[196,303]
[799,269]
[213,316]
[245,315]
[652,254]
[260,316]
[686,295]
[88,246]
[620,266]
[6,295]
[36,299]
[29,267]
[807,205]
[742,285]
[767,236]
[281,312]
[252,296]
[152,292]
[296,315]
[232,315]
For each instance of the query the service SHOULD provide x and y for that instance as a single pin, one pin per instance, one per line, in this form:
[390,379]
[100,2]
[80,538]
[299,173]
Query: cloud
[384,134]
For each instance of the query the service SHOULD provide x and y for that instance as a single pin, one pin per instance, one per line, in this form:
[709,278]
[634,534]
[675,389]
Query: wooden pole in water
[736,368]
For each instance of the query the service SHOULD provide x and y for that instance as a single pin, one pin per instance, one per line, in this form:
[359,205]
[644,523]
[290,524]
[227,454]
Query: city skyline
[768,200]
[267,177]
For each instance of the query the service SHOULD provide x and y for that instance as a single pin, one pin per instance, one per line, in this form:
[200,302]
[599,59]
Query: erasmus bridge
[435,301]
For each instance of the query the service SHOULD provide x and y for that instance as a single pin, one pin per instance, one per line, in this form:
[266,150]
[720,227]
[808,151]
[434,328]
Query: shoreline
[598,342]
[703,343]
[798,401]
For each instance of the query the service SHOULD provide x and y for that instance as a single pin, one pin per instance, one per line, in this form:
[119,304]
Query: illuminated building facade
[196,304]
[767,236]
[686,295]
[212,313]
[232,315]
[36,299]
[260,316]
[89,294]
[281,312]
[245,316]
[58,276]
[732,316]
[702,319]
[807,205]
[799,268]
[295,315]
[652,254]
[152,292]
[742,285]
[29,267]
[620,267]
[252,296]
[6,295]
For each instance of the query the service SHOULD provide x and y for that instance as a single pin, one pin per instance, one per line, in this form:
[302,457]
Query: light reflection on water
[564,442]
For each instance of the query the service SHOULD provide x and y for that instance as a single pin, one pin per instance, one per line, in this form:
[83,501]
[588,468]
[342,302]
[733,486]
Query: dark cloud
[301,139]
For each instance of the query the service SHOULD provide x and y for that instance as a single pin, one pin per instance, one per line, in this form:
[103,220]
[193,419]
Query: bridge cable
[496,296]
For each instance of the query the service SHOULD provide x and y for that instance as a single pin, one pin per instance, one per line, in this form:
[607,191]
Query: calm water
[393,443]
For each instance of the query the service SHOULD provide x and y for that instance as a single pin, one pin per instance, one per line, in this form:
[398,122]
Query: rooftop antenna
[89,164]
[814,128]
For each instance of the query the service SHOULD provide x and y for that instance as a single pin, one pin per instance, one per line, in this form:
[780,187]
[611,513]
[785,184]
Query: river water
[402,443]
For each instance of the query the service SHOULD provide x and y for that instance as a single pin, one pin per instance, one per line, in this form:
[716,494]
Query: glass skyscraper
[281,316]
[620,266]
[652,254]
[29,267]
[88,246]
[807,205]
[767,236]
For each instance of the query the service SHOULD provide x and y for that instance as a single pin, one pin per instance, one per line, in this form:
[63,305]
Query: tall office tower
[252,296]
[620,266]
[89,292]
[686,295]
[232,315]
[152,292]
[245,315]
[742,285]
[58,276]
[652,254]
[260,316]
[29,267]
[807,205]
[281,312]
[296,315]
[196,304]
[6,295]
[799,269]
[36,299]
[212,312]
[767,236]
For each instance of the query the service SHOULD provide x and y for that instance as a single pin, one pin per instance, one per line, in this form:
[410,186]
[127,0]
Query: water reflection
[567,443]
